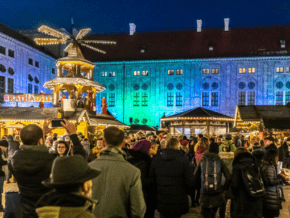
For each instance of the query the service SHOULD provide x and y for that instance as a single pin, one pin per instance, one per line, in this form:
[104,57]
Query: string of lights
[49,31]
[93,48]
[48,41]
[82,33]
[99,41]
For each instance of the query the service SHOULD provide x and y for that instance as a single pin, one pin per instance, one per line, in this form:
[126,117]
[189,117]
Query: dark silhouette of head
[113,136]
[31,134]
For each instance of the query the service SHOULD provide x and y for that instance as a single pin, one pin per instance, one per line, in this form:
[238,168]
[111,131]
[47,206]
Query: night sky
[109,16]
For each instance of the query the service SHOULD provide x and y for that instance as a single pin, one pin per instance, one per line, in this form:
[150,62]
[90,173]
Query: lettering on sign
[28,97]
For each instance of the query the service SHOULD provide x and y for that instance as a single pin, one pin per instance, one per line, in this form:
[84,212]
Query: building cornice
[25,46]
[196,60]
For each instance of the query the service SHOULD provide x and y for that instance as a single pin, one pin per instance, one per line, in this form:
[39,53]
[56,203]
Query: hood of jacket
[31,159]
[170,154]
[132,154]
[55,204]
[210,155]
[243,160]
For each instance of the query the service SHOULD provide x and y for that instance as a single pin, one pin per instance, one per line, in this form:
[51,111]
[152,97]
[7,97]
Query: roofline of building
[195,60]
[10,38]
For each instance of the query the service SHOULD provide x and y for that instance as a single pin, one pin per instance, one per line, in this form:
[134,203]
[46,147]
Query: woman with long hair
[201,146]
[274,191]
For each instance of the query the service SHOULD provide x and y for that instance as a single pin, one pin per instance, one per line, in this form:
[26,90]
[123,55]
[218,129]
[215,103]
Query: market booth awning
[197,117]
[18,117]
[262,117]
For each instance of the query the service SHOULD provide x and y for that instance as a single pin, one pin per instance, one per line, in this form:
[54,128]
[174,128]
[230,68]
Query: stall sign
[24,97]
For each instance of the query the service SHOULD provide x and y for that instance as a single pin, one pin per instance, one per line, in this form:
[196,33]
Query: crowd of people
[135,175]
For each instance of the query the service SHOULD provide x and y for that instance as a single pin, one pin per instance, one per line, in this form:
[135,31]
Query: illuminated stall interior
[13,119]
[263,118]
[197,120]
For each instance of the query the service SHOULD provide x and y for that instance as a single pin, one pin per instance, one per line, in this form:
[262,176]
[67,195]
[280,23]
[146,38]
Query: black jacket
[271,181]
[2,163]
[173,175]
[212,200]
[284,147]
[30,166]
[242,204]
[143,162]
[12,146]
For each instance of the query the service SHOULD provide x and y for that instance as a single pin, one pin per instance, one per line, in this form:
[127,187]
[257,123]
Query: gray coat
[118,188]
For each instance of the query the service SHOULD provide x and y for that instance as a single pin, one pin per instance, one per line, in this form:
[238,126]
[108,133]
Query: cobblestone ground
[193,213]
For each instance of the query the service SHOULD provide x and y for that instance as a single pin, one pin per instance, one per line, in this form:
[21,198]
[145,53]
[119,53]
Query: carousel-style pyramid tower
[74,72]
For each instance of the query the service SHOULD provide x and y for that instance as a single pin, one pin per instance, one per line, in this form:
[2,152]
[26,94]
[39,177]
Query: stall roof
[276,123]
[257,112]
[36,113]
[199,112]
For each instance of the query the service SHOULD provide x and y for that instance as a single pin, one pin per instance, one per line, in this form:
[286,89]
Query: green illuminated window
[111,99]
[136,99]
[144,99]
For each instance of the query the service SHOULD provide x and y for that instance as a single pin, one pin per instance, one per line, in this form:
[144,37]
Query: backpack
[253,181]
[211,176]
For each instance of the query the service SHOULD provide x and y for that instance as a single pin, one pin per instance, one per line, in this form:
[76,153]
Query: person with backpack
[209,171]
[273,184]
[246,202]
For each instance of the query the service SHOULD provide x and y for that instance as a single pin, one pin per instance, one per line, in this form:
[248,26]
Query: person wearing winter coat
[227,145]
[286,149]
[273,184]
[243,205]
[211,202]
[71,184]
[32,163]
[13,146]
[3,162]
[172,176]
[119,186]
[139,157]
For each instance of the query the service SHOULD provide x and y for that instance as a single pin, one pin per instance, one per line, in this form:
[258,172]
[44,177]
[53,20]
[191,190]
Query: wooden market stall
[263,118]
[13,119]
[208,121]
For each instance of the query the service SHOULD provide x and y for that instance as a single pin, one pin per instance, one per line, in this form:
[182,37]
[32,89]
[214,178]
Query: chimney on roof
[132,28]
[227,22]
[199,23]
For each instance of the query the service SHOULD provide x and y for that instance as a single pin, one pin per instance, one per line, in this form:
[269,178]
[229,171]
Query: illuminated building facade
[149,75]
[24,66]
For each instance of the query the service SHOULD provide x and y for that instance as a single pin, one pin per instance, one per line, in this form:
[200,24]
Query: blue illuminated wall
[14,77]
[265,82]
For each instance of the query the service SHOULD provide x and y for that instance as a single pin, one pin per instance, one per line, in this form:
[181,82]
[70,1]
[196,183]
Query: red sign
[27,97]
